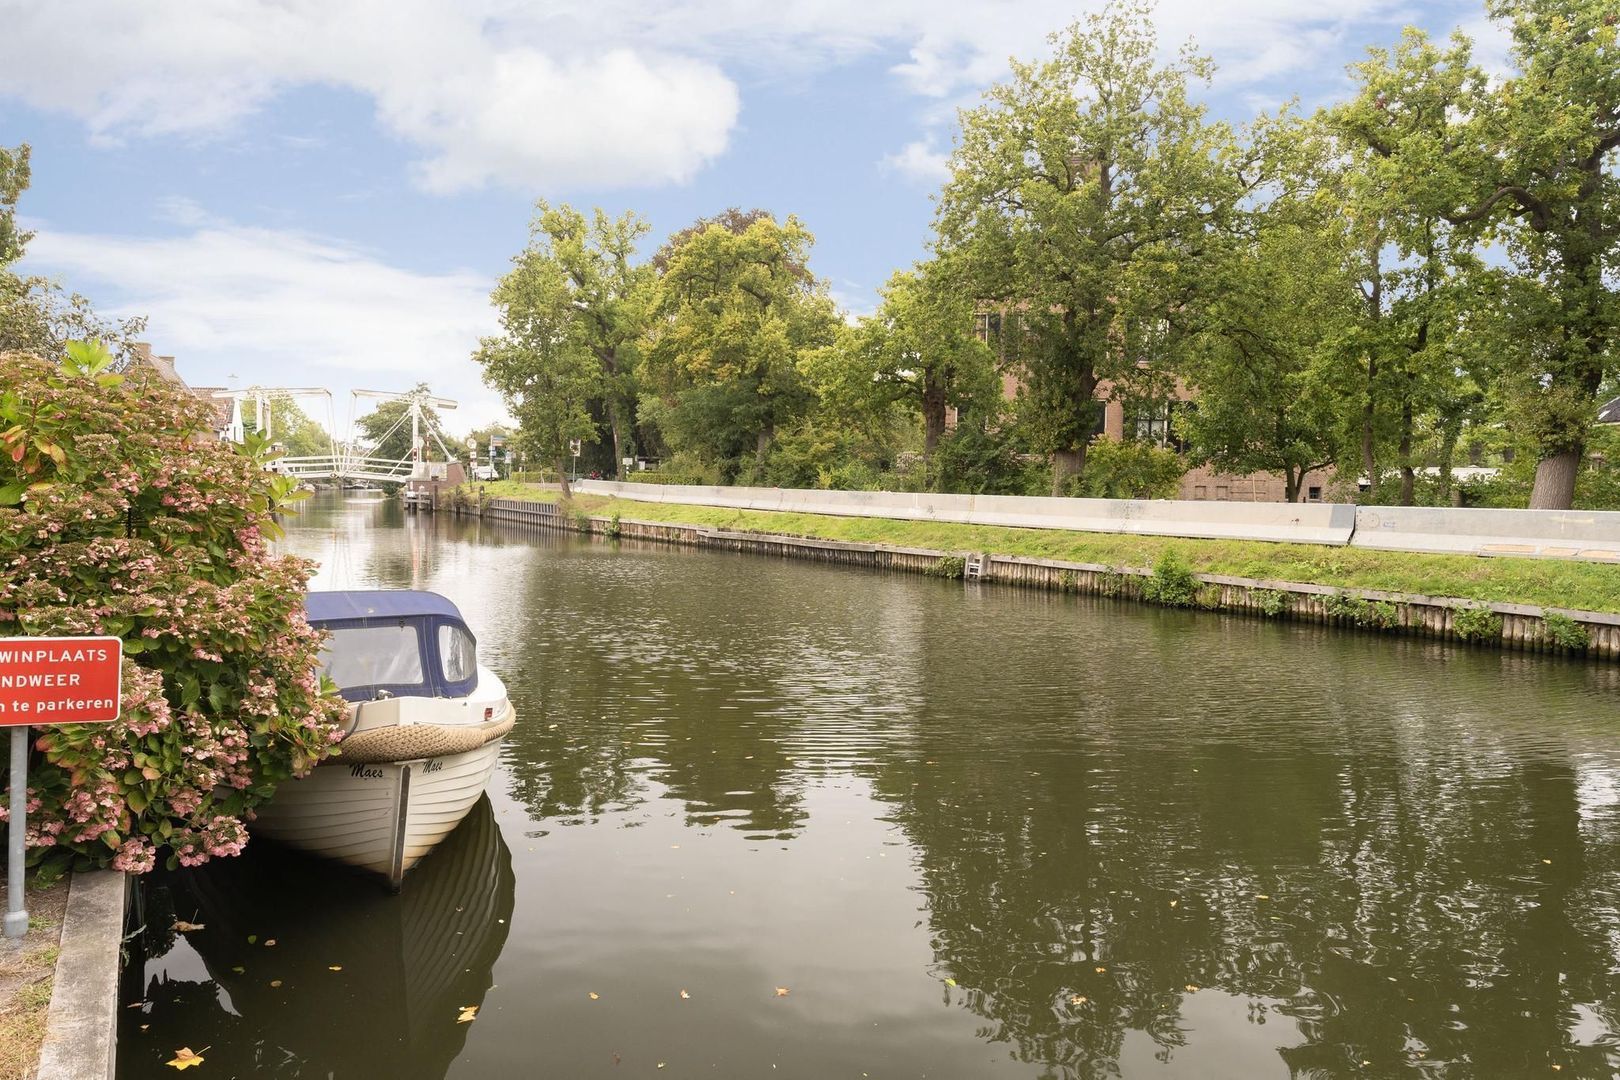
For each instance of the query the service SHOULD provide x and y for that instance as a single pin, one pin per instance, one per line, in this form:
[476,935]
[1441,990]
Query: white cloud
[571,92]
[286,309]
[921,162]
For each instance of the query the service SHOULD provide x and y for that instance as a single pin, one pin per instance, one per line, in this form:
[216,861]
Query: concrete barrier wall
[1536,534]
[1303,523]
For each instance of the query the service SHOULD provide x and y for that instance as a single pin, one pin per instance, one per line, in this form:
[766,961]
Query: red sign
[63,680]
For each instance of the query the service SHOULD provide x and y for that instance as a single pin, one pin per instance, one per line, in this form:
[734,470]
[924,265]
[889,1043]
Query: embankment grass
[1543,582]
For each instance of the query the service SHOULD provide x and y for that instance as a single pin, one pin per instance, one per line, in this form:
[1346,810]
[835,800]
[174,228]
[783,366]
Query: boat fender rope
[413,742]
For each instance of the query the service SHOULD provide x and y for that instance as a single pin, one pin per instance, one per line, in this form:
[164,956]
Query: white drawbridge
[350,458]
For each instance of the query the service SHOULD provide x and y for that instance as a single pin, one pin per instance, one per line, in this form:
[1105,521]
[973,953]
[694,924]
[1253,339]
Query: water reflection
[982,833]
[302,969]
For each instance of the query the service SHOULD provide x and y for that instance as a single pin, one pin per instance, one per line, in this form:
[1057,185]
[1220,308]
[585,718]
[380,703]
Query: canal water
[773,819]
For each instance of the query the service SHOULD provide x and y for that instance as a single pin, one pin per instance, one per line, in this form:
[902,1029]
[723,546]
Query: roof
[323,607]
[1609,413]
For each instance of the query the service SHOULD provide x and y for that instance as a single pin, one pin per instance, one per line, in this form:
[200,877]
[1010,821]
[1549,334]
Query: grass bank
[1542,582]
[26,971]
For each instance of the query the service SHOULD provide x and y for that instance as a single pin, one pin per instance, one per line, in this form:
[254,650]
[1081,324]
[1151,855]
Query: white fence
[1549,534]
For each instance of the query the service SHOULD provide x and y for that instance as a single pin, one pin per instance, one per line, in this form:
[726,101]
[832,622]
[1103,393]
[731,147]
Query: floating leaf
[468,1014]
[275,982]
[950,982]
[661,1064]
[1261,896]
[782,991]
[1101,969]
[182,927]
[253,939]
[334,967]
[1078,999]
[594,995]
[239,969]
[1191,988]
[685,995]
[1174,902]
[185,1059]
[268,942]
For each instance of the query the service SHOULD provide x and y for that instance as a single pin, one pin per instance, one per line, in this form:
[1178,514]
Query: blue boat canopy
[394,643]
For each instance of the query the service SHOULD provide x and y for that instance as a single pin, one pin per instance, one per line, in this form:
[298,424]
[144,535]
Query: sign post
[67,680]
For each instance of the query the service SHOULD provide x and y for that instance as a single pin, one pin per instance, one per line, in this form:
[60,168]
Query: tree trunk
[562,477]
[1292,482]
[1407,475]
[761,446]
[933,410]
[618,442]
[1448,451]
[1066,463]
[1555,481]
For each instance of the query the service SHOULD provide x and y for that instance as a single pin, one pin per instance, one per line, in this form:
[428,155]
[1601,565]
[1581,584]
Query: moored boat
[425,728]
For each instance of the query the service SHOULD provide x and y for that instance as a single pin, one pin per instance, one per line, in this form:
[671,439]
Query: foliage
[542,362]
[948,566]
[981,457]
[36,316]
[1476,624]
[918,352]
[1274,603]
[1172,583]
[387,428]
[117,517]
[607,293]
[1372,614]
[292,428]
[1129,469]
[1085,196]
[1565,632]
[737,314]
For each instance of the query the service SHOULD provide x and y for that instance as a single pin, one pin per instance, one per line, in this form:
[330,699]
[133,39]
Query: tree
[1530,166]
[388,429]
[542,363]
[608,293]
[115,518]
[1269,365]
[736,314]
[37,317]
[918,351]
[1084,198]
[292,428]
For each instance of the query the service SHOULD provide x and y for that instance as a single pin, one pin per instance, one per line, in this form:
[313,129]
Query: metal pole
[16,913]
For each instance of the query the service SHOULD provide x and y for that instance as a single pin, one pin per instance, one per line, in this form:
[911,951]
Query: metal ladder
[973,568]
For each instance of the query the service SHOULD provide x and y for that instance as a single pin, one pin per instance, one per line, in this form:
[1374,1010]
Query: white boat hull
[380,817]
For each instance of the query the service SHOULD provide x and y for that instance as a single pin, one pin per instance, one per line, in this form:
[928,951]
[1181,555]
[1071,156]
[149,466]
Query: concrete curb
[81,1028]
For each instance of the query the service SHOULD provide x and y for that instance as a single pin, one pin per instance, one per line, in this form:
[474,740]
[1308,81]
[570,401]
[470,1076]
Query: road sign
[51,680]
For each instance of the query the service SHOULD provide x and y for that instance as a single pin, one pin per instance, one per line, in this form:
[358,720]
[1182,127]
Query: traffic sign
[49,680]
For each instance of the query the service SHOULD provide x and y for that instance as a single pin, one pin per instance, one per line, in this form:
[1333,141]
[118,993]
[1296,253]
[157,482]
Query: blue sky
[321,192]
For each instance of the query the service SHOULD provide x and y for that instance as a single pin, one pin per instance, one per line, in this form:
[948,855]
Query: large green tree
[1085,196]
[1528,166]
[918,351]
[736,314]
[608,292]
[1269,366]
[37,316]
[542,362]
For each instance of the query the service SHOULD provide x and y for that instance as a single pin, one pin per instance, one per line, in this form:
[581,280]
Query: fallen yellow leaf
[467,1015]
[182,927]
[275,982]
[269,942]
[950,982]
[594,995]
[782,991]
[1078,999]
[184,1058]
[1101,969]
[334,967]
[1191,989]
[1173,903]
[685,995]
[1261,896]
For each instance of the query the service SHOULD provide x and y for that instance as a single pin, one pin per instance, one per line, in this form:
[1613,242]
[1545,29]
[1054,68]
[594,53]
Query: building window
[1314,495]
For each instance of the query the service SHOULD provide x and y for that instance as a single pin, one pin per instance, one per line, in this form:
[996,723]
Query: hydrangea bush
[121,515]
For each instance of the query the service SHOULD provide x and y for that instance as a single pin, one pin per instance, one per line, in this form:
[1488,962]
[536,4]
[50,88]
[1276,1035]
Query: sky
[323,192]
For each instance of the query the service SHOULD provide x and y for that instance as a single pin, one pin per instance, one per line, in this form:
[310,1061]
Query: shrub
[1372,614]
[1172,583]
[1068,581]
[1111,583]
[1565,631]
[1476,624]
[117,517]
[948,566]
[612,530]
[582,521]
[1274,603]
[1128,469]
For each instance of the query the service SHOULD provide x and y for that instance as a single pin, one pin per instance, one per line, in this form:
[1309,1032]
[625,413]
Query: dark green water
[974,832]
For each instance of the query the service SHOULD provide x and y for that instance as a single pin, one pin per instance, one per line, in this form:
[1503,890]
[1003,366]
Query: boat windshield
[373,656]
[458,652]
